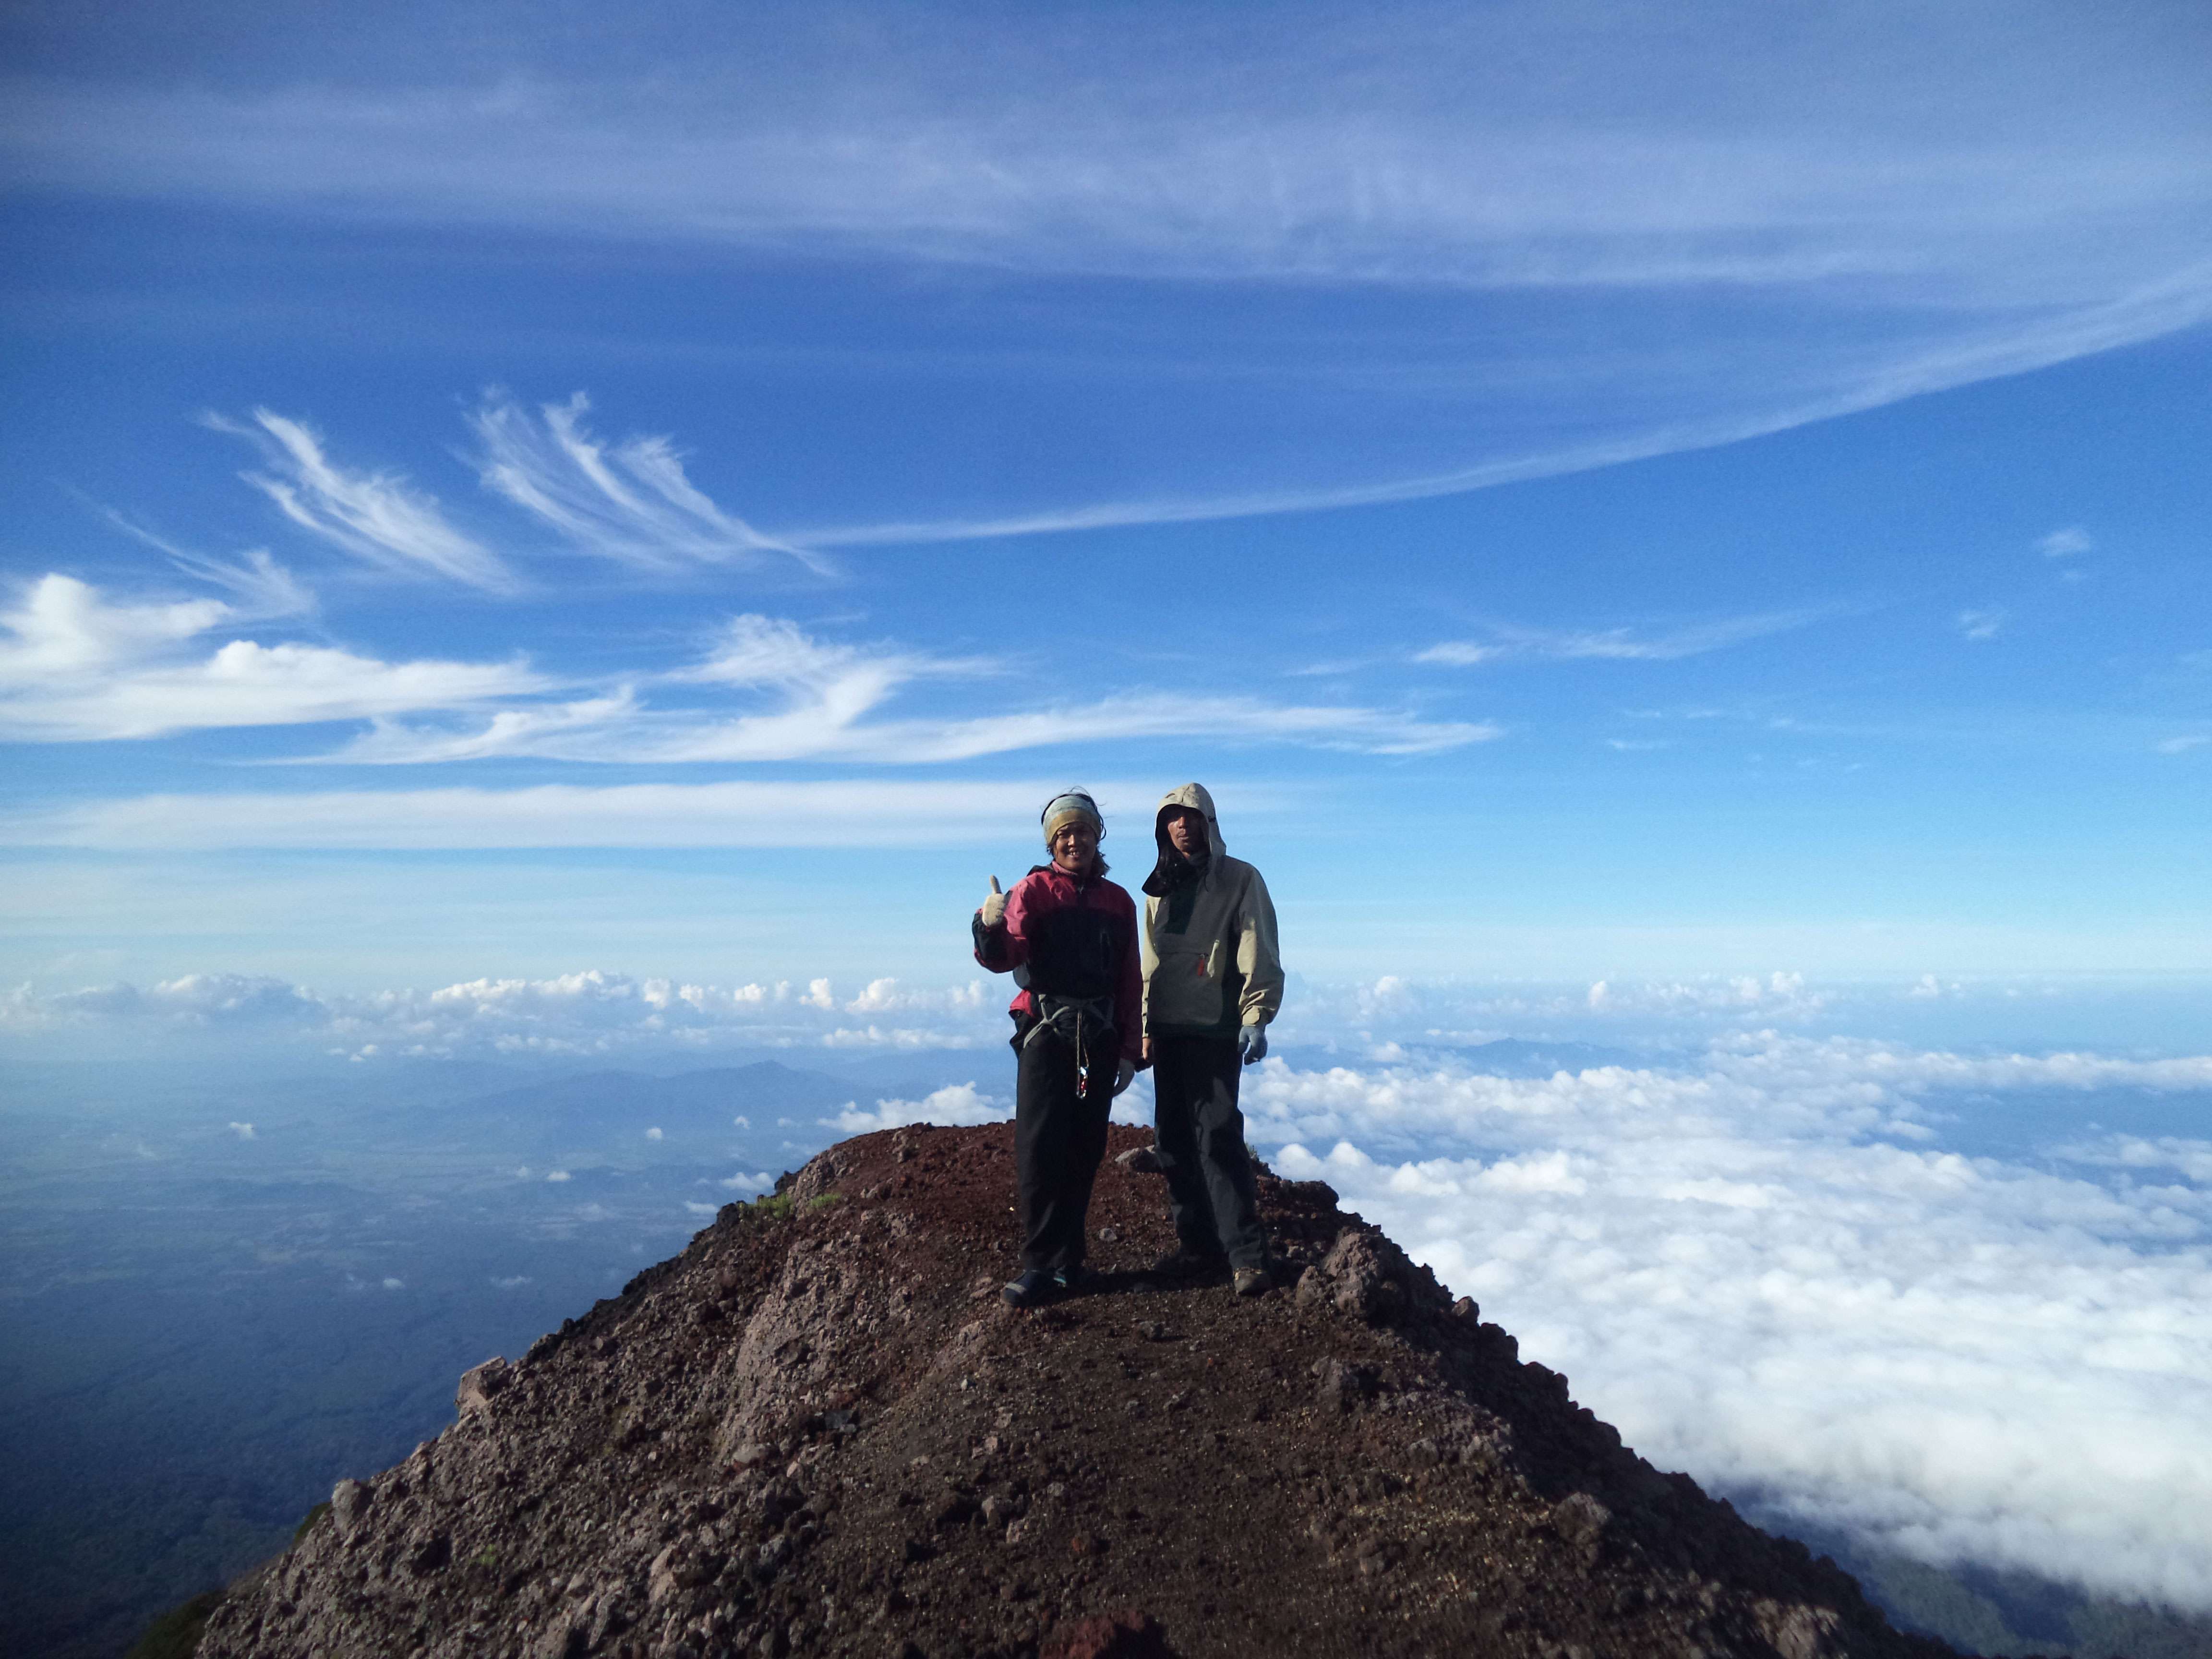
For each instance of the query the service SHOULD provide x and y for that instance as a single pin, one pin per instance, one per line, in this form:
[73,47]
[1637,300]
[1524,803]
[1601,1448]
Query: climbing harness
[1079,1022]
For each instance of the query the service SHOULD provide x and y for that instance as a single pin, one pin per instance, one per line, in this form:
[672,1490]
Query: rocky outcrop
[818,1430]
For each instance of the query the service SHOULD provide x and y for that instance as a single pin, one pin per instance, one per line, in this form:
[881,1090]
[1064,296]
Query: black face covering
[1173,871]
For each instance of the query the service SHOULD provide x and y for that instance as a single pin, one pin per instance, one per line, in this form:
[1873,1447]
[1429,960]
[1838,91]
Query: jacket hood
[1191,795]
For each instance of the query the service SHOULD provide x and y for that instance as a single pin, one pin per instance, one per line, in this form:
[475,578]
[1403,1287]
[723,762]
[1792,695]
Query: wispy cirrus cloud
[828,725]
[1406,146]
[1703,411]
[258,586]
[1981,624]
[77,665]
[377,517]
[1833,230]
[753,653]
[1221,718]
[750,813]
[1507,641]
[825,702]
[534,729]
[629,502]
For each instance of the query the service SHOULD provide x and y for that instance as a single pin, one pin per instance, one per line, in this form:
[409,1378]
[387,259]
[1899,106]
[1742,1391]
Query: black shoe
[1183,1262]
[1254,1281]
[1032,1289]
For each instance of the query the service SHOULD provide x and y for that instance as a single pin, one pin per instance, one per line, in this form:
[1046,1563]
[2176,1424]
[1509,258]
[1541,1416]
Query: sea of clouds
[1767,1260]
[1765,1268]
[1953,1300]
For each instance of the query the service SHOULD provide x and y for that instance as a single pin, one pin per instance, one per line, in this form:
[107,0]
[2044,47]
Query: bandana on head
[1067,806]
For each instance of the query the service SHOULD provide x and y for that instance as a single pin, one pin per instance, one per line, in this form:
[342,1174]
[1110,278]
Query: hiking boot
[1074,1281]
[1183,1262]
[1254,1281]
[1032,1289]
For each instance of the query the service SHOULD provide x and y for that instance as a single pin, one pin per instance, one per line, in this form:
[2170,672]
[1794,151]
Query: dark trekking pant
[1058,1142]
[1201,1136]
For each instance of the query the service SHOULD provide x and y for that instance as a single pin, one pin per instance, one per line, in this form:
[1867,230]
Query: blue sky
[568,534]
[524,493]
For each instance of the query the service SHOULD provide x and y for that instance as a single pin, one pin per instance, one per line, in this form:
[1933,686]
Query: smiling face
[1074,846]
[1186,832]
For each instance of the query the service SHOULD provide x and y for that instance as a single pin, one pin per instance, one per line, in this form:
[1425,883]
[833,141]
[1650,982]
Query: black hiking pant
[1058,1142]
[1200,1134]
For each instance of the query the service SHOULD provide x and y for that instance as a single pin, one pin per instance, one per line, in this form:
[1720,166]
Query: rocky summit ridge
[818,1430]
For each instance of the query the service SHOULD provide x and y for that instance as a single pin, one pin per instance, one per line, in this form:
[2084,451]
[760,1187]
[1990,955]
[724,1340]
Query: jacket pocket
[1180,991]
[1180,964]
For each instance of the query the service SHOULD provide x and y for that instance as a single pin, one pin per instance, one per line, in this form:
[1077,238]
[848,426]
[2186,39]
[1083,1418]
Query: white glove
[1252,1042]
[994,906]
[1124,1075]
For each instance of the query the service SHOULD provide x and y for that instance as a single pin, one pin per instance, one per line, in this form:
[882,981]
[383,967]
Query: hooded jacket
[1211,961]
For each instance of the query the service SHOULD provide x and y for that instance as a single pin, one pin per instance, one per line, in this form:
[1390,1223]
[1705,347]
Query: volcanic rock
[479,1386]
[852,1454]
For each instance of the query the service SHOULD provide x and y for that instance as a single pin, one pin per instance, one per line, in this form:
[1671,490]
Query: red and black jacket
[1078,939]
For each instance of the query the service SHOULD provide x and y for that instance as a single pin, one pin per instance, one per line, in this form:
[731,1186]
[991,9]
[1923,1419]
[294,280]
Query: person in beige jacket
[1213,978]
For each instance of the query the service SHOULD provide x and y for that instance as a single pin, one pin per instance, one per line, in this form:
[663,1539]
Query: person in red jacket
[1069,938]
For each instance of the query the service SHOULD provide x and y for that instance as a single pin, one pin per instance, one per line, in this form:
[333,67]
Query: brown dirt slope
[819,1431]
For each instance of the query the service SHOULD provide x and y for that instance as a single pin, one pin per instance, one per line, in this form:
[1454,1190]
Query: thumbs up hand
[994,906]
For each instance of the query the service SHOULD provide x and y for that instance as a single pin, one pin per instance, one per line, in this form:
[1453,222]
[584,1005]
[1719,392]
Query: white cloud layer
[956,1105]
[583,1013]
[1778,995]
[1762,1260]
[199,999]
[1760,1270]
[77,665]
[1396,1009]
